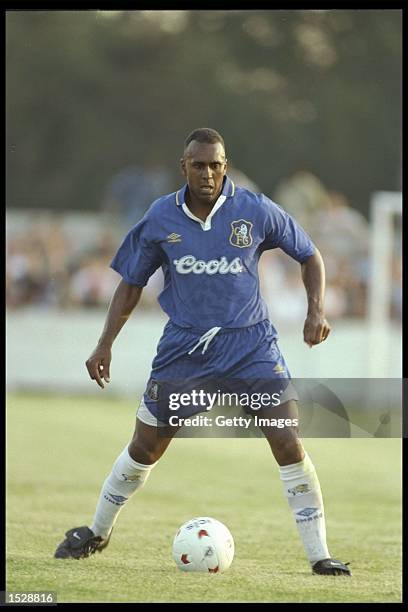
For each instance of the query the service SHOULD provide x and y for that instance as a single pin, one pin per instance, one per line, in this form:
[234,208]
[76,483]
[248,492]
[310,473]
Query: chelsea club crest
[241,233]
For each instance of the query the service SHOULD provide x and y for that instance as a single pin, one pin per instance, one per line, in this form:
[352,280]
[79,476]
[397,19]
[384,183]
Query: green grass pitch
[60,449]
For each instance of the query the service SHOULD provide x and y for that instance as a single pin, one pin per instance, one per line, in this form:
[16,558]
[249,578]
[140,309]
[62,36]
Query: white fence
[46,351]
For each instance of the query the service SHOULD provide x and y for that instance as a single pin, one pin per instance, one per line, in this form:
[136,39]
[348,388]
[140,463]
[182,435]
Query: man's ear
[183,166]
[226,167]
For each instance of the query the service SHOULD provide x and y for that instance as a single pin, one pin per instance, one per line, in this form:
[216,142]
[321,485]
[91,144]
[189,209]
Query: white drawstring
[205,339]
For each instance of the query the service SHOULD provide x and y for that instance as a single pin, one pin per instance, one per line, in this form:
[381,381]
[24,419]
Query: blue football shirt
[210,267]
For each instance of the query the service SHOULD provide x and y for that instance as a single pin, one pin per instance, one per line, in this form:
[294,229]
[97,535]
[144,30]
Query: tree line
[90,92]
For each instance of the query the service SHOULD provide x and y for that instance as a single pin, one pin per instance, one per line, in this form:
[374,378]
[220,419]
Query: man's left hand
[316,329]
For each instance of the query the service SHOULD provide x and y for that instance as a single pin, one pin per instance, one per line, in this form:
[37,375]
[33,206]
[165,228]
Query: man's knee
[142,454]
[143,451]
[287,448]
[147,444]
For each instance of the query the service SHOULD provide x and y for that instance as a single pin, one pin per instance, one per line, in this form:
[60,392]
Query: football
[203,544]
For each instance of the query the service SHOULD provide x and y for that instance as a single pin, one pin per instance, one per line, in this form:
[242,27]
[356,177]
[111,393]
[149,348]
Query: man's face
[204,166]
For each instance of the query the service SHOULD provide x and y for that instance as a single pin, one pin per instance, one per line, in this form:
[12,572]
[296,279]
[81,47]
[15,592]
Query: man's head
[204,164]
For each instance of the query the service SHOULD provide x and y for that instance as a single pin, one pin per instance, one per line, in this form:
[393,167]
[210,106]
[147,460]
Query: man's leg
[129,473]
[301,487]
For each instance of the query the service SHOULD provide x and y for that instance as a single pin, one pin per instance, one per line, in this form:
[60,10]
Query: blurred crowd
[62,261]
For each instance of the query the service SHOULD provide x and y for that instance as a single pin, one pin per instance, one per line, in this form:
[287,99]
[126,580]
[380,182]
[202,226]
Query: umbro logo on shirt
[173,238]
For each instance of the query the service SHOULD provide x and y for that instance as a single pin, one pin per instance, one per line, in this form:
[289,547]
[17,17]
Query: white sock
[302,488]
[125,478]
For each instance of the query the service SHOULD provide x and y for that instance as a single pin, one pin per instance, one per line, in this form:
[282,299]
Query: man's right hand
[98,365]
[121,305]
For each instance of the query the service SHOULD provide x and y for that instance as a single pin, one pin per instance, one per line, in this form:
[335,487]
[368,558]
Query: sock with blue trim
[126,477]
[302,489]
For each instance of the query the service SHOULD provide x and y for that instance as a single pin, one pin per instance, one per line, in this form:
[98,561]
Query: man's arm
[121,306]
[316,328]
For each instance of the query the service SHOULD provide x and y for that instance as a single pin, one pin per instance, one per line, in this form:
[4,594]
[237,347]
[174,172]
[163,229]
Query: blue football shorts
[225,360]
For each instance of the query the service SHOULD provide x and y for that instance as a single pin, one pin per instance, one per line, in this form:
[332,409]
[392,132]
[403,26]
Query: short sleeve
[138,256]
[283,232]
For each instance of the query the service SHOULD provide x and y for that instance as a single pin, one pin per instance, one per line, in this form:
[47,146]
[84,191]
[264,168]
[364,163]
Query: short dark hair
[207,135]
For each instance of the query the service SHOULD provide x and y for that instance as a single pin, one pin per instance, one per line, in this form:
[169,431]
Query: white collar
[205,225]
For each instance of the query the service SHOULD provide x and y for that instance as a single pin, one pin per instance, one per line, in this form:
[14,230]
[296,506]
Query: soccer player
[208,238]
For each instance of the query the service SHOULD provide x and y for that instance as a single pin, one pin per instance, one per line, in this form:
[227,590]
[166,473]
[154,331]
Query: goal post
[385,209]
